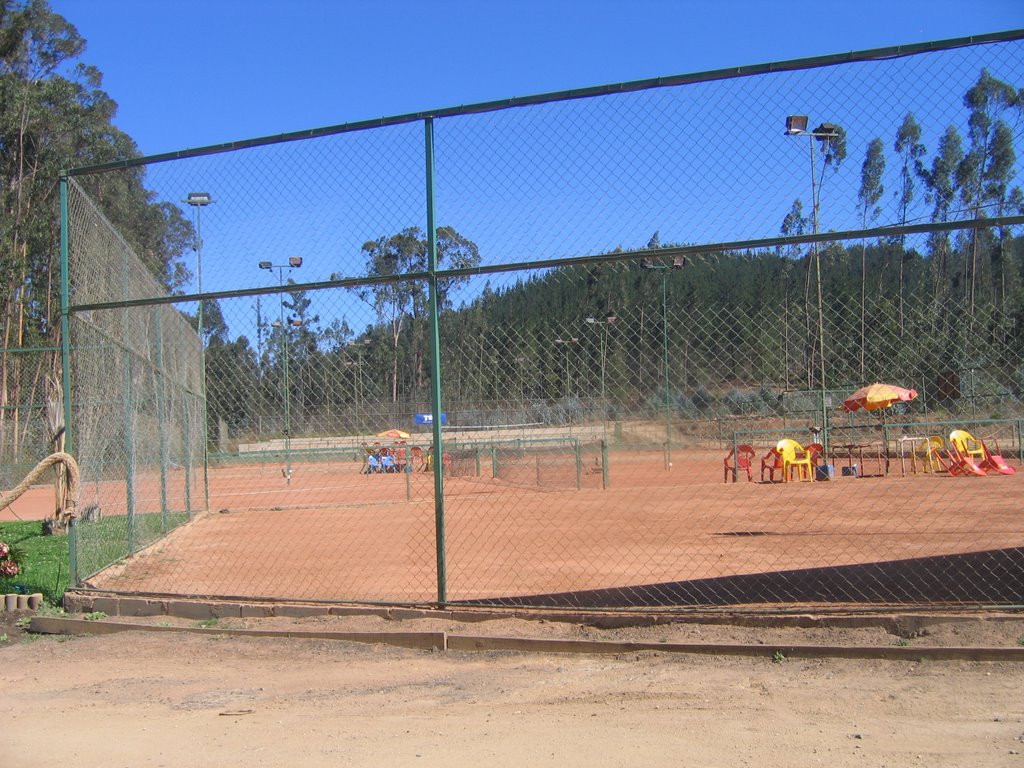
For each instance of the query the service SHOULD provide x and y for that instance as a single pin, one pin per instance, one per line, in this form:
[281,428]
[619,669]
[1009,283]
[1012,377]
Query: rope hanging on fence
[69,504]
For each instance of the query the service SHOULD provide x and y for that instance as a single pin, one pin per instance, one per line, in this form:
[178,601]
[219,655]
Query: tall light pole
[360,349]
[198,201]
[678,262]
[567,342]
[796,125]
[605,326]
[294,262]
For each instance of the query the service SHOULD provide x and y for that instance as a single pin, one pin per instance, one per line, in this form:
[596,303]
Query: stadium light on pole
[796,125]
[198,201]
[294,262]
[604,326]
[360,349]
[567,342]
[678,262]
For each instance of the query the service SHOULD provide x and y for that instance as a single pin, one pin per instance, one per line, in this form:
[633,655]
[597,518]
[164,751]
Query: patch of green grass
[44,560]
[23,622]
[206,623]
[902,642]
[4,638]
[1020,641]
[95,616]
[778,657]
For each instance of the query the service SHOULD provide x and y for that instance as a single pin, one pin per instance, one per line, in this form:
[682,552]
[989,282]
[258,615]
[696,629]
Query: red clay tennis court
[654,537]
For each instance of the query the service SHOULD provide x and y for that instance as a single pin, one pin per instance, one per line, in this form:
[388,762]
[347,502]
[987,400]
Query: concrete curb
[902,623]
[442,641]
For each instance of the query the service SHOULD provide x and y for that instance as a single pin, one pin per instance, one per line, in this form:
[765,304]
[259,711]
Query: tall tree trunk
[863,306]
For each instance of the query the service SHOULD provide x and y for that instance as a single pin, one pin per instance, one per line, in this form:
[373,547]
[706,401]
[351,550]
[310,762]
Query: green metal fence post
[604,465]
[129,447]
[161,418]
[129,421]
[435,366]
[65,365]
[579,463]
[664,343]
[187,458]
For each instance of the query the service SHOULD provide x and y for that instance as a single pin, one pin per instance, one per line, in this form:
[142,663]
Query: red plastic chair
[744,459]
[961,464]
[817,452]
[771,461]
[417,457]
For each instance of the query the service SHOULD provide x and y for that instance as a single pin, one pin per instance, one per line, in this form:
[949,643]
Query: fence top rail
[740,436]
[812,62]
[954,423]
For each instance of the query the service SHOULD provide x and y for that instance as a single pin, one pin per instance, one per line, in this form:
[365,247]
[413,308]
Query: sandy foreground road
[160,699]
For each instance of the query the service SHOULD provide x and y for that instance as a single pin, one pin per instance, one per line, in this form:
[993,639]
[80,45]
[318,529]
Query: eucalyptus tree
[909,150]
[55,115]
[401,304]
[984,174]
[940,180]
[871,190]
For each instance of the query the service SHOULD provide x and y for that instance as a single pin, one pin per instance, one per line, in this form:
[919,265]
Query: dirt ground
[162,699]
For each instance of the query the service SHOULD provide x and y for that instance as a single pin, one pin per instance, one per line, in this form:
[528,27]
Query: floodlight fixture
[826,132]
[295,322]
[678,262]
[199,199]
[796,125]
[266,265]
[294,261]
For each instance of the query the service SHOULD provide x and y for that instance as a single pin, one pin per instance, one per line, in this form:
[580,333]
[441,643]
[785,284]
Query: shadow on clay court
[994,576]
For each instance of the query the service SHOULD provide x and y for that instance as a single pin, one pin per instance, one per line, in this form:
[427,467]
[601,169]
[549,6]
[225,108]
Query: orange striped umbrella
[396,434]
[875,397]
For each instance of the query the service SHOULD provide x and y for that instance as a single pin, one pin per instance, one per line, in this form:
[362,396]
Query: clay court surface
[333,533]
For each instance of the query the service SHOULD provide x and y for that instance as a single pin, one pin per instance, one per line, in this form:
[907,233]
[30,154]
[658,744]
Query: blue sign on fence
[428,418]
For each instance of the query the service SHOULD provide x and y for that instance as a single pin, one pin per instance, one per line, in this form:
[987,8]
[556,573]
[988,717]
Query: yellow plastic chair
[930,452]
[967,445]
[795,456]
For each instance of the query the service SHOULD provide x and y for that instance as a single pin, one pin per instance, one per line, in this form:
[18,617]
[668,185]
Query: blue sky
[188,74]
[194,74]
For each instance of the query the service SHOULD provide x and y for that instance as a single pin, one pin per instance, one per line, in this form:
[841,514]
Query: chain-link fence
[509,353]
[136,387]
[31,414]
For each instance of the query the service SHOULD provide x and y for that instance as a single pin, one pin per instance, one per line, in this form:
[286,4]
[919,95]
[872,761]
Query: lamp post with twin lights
[567,342]
[678,262]
[825,134]
[198,201]
[294,262]
[604,326]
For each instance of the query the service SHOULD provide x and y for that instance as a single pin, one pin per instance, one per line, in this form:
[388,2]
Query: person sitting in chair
[373,464]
